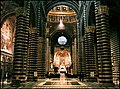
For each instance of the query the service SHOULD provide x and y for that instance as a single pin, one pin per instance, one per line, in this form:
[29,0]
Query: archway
[61,21]
[62,60]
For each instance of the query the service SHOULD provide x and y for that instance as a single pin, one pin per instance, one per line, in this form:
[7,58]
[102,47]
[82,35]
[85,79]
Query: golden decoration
[103,9]
[90,29]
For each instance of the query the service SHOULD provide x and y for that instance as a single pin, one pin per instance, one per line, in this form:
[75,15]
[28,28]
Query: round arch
[13,13]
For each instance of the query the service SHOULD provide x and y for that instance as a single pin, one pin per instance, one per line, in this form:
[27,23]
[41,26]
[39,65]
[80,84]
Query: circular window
[62,40]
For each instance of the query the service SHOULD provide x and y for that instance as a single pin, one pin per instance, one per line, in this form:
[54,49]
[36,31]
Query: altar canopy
[62,57]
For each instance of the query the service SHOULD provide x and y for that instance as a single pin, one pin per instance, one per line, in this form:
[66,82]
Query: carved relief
[90,29]
[103,9]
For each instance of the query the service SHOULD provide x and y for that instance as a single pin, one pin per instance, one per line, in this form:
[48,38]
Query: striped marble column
[115,54]
[20,49]
[32,60]
[89,51]
[103,44]
[41,62]
[83,69]
[1,12]
[27,9]
[1,7]
[41,44]
[38,18]
[96,4]
[83,40]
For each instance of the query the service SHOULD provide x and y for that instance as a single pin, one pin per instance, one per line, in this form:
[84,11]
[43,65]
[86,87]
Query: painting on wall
[7,35]
[62,57]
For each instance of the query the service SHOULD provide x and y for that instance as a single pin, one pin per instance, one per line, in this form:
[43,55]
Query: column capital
[40,39]
[103,9]
[31,30]
[90,29]
[19,11]
[47,31]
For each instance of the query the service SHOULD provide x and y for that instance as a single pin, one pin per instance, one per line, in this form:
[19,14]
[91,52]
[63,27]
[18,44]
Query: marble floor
[60,83]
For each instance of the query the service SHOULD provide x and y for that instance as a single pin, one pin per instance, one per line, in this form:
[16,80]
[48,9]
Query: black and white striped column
[1,12]
[89,52]
[115,54]
[20,49]
[1,7]
[28,9]
[103,44]
[33,54]
[83,41]
[41,45]
[38,18]
[41,62]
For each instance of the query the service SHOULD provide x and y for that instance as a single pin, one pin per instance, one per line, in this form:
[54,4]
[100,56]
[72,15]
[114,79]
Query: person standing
[81,76]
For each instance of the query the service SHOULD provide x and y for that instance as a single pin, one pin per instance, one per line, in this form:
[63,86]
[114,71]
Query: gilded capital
[40,40]
[19,11]
[47,30]
[90,29]
[103,9]
[31,30]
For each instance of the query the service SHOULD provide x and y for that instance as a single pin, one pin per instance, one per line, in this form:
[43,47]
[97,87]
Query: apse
[62,58]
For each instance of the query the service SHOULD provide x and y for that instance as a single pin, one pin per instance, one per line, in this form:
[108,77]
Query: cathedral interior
[60,44]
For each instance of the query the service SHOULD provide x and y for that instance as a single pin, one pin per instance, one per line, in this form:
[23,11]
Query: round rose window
[62,40]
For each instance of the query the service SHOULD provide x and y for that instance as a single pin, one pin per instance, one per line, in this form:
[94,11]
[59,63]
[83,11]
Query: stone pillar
[41,43]
[83,69]
[115,54]
[103,44]
[83,41]
[41,62]
[84,15]
[89,51]
[79,50]
[73,58]
[1,11]
[32,60]
[39,56]
[74,54]
[47,54]
[82,50]
[1,61]
[47,50]
[96,3]
[38,18]
[20,48]
[27,9]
